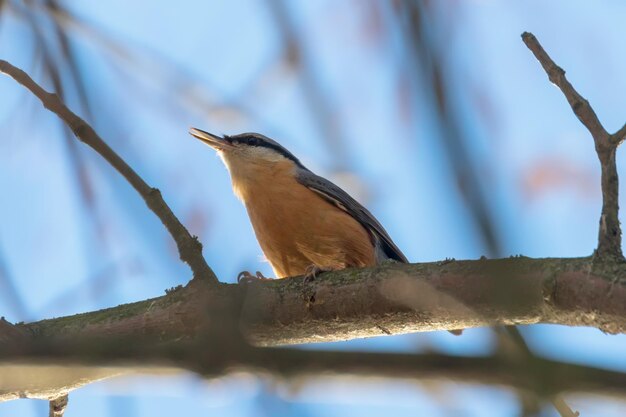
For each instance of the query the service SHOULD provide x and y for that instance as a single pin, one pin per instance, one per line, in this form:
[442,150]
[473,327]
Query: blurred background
[431,113]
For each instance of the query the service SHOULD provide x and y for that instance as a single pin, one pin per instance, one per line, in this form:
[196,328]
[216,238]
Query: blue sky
[535,158]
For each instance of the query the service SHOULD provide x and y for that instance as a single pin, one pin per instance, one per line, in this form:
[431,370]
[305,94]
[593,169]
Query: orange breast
[297,228]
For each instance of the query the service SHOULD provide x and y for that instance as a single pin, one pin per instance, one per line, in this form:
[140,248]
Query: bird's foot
[311,272]
[246,277]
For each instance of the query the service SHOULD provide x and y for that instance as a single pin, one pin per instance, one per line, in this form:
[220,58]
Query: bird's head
[249,156]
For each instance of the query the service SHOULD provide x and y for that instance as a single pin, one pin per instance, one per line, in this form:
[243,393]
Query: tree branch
[218,348]
[562,407]
[58,406]
[10,334]
[610,232]
[197,327]
[390,299]
[618,137]
[556,74]
[189,248]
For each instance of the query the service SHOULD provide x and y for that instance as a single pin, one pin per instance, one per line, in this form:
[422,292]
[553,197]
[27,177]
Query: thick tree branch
[189,248]
[610,232]
[218,348]
[390,299]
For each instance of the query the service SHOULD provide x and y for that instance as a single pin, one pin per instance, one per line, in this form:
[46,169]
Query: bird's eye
[253,141]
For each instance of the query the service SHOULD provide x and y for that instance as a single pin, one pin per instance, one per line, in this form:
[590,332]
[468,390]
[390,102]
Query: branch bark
[610,232]
[384,300]
[10,334]
[619,136]
[58,406]
[392,299]
[563,408]
[163,333]
[189,248]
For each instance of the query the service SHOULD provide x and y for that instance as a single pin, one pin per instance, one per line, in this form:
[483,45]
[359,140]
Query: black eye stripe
[248,140]
[253,140]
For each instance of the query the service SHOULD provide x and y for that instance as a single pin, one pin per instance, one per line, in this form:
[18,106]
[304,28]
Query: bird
[305,224]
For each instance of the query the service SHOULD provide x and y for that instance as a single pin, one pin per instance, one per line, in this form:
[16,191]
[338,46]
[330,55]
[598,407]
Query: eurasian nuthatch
[304,223]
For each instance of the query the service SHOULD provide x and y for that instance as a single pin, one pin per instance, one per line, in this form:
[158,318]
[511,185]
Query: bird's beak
[213,141]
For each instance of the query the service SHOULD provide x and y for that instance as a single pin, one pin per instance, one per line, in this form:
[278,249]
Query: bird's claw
[246,277]
[311,273]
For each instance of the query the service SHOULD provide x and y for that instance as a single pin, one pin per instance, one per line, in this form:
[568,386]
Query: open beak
[213,141]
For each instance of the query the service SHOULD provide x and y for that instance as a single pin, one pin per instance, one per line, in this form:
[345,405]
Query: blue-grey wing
[385,248]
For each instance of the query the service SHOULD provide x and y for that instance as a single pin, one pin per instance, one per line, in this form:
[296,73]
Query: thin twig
[184,89]
[52,68]
[609,235]
[562,407]
[610,232]
[58,406]
[189,248]
[556,74]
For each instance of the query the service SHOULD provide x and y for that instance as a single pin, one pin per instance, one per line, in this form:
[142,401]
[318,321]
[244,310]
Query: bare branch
[390,299]
[184,90]
[562,407]
[556,74]
[610,232]
[218,349]
[58,406]
[618,137]
[189,248]
[349,304]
